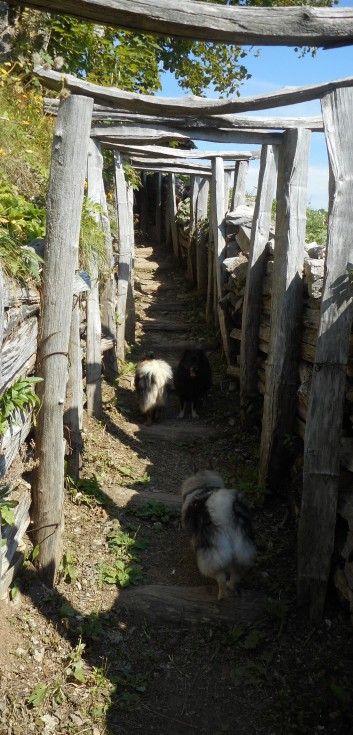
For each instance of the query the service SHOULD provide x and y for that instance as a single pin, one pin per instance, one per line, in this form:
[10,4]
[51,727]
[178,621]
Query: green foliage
[20,222]
[126,570]
[316,226]
[92,238]
[87,491]
[38,695]
[19,396]
[155,511]
[132,176]
[6,507]
[75,670]
[68,571]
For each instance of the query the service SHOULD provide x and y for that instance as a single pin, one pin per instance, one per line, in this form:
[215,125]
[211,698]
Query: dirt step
[124,496]
[174,604]
[141,264]
[164,326]
[176,431]
[168,307]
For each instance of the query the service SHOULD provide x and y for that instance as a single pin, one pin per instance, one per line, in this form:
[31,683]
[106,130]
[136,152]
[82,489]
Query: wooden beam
[239,187]
[219,208]
[198,20]
[236,122]
[214,135]
[125,254]
[150,104]
[325,410]
[94,327]
[201,250]
[282,377]
[171,203]
[163,151]
[64,205]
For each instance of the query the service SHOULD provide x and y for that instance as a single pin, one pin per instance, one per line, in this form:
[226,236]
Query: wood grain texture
[219,208]
[94,327]
[282,377]
[125,253]
[281,26]
[325,410]
[64,206]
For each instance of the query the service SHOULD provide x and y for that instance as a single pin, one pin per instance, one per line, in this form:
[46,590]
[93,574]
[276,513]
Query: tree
[132,61]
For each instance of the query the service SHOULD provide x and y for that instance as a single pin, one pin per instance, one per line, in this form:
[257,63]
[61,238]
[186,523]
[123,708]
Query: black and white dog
[192,379]
[151,380]
[218,524]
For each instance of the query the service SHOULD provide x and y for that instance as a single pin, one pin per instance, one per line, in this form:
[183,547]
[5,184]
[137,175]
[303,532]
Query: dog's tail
[151,379]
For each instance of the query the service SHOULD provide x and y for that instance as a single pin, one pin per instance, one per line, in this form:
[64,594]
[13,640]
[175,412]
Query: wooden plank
[201,250]
[130,321]
[13,535]
[156,162]
[239,187]
[158,204]
[73,413]
[325,410]
[108,297]
[104,112]
[94,327]
[192,605]
[19,352]
[215,135]
[161,151]
[252,305]
[171,203]
[64,206]
[152,104]
[286,306]
[219,209]
[14,438]
[125,254]
[188,19]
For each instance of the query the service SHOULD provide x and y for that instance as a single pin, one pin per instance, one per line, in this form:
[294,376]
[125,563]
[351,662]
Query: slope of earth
[133,639]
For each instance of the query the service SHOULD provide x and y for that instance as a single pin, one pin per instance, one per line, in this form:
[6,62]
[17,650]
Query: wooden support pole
[108,298]
[94,329]
[218,206]
[144,203]
[173,213]
[228,175]
[191,257]
[64,206]
[249,344]
[239,188]
[158,189]
[282,378]
[201,250]
[325,412]
[130,324]
[125,252]
[74,398]
[210,259]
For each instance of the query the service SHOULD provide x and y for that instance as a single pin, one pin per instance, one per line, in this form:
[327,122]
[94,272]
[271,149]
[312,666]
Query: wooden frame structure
[152,119]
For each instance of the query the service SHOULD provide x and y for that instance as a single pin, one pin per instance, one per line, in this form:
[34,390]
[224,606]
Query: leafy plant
[6,506]
[155,511]
[68,569]
[92,238]
[19,396]
[127,569]
[87,491]
[75,668]
[38,695]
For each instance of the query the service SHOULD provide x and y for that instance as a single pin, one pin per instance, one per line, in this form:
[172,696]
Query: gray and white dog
[152,378]
[218,524]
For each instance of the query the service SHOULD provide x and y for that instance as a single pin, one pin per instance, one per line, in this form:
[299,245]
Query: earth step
[168,306]
[164,326]
[141,264]
[164,344]
[176,604]
[177,431]
[123,496]
[149,286]
[144,252]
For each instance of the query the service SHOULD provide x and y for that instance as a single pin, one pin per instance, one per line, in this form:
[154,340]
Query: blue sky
[279,67]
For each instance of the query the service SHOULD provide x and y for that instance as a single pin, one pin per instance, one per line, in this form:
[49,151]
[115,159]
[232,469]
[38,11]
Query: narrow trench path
[169,318]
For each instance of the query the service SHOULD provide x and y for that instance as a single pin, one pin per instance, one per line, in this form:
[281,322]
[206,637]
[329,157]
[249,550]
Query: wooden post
[282,379]
[64,206]
[108,298]
[130,300]
[239,188]
[227,183]
[324,419]
[94,330]
[201,250]
[256,270]
[173,213]
[144,204]
[125,254]
[74,403]
[158,184]
[219,236]
[210,260]
[190,265]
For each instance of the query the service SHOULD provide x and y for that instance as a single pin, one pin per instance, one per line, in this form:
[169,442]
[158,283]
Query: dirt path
[160,654]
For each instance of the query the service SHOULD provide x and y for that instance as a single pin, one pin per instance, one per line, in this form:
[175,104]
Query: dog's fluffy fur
[192,379]
[218,523]
[151,380]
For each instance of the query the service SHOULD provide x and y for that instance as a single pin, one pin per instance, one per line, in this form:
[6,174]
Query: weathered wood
[255,272]
[104,112]
[192,605]
[125,254]
[325,411]
[21,422]
[64,206]
[143,133]
[186,105]
[191,250]
[219,209]
[286,306]
[13,535]
[210,258]
[94,327]
[239,188]
[158,211]
[74,396]
[172,207]
[19,352]
[108,297]
[130,322]
[201,250]
[161,151]
[14,317]
[188,19]
[166,168]
[15,294]
[215,135]
[155,163]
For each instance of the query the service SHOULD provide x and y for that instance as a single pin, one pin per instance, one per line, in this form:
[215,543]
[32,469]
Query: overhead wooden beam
[161,151]
[187,105]
[104,112]
[265,27]
[138,134]
[246,137]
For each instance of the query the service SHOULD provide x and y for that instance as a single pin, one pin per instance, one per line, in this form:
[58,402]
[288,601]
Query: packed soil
[132,638]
